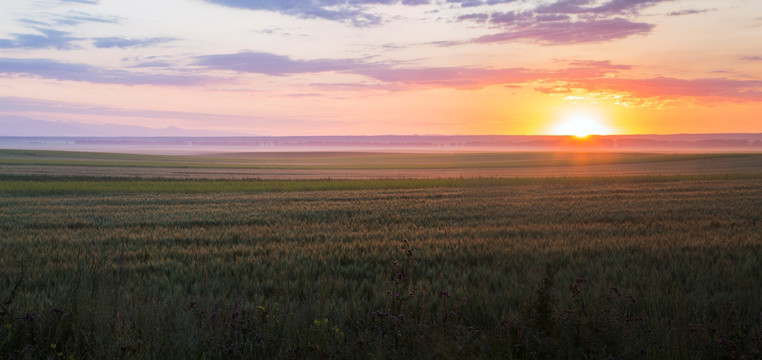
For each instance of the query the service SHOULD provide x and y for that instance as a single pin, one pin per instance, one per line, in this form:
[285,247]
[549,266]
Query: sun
[581,125]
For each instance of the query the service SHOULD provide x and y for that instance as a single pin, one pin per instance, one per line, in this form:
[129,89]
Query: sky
[375,67]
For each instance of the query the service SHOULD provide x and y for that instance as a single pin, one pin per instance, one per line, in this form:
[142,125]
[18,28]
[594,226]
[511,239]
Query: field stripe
[62,185]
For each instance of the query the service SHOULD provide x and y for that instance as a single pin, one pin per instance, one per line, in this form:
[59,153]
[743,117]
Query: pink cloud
[566,32]
[672,88]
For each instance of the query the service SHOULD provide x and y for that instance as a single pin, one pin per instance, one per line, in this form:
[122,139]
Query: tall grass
[540,269]
[44,185]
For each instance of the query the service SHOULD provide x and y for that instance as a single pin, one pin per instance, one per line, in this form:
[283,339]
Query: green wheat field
[388,256]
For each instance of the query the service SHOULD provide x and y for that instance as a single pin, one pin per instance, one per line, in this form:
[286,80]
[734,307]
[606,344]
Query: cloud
[153,64]
[452,77]
[567,32]
[90,2]
[580,74]
[46,38]
[557,22]
[354,12]
[70,18]
[475,3]
[564,22]
[584,75]
[77,17]
[605,80]
[351,12]
[689,12]
[51,69]
[270,64]
[19,105]
[612,7]
[751,58]
[606,64]
[672,88]
[124,43]
[462,78]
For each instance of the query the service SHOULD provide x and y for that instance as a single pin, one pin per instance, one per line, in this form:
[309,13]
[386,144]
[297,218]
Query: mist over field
[397,143]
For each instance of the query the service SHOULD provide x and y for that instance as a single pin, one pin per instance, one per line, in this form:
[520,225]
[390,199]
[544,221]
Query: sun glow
[581,125]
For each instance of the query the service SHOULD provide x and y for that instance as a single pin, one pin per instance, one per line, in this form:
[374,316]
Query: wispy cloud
[462,78]
[672,88]
[689,12]
[453,77]
[69,18]
[51,69]
[20,105]
[588,75]
[564,22]
[44,38]
[270,64]
[567,32]
[352,12]
[124,43]
[594,7]
[90,2]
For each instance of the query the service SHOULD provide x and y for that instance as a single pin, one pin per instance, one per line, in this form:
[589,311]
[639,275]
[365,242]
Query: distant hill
[21,126]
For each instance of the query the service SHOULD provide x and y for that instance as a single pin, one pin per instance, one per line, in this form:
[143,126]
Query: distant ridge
[26,127]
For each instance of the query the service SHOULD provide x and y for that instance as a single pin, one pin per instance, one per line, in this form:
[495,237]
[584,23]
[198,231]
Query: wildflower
[574,289]
[215,313]
[30,317]
[444,294]
[235,309]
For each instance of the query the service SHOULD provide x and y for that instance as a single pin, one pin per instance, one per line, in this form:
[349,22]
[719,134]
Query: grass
[42,185]
[347,161]
[529,268]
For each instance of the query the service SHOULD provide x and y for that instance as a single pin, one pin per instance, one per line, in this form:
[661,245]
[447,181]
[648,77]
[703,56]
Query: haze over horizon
[373,67]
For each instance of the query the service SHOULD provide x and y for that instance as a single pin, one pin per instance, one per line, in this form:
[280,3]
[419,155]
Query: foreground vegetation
[539,268]
[349,160]
[371,166]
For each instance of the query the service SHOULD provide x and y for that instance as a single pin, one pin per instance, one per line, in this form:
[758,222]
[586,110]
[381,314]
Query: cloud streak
[689,12]
[45,38]
[51,69]
[564,22]
[352,11]
[452,77]
[16,105]
[672,88]
[567,32]
[592,76]
[593,7]
[70,18]
[270,64]
[125,43]
[89,2]
[585,75]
